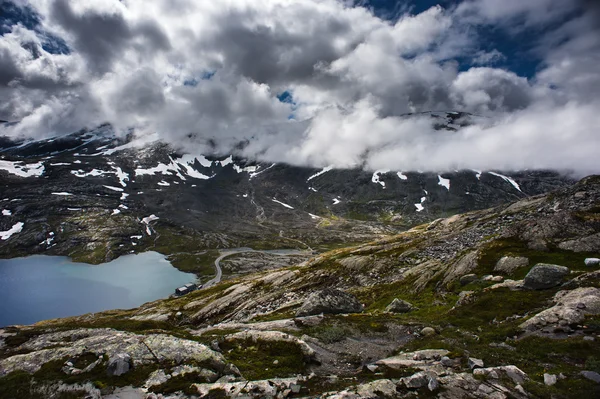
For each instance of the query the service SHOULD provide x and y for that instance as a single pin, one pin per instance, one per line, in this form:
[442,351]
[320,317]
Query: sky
[314,82]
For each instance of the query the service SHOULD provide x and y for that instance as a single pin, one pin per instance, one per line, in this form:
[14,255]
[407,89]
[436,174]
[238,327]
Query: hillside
[491,303]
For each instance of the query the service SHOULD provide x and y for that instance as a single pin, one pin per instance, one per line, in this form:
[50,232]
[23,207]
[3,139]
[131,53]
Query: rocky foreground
[500,303]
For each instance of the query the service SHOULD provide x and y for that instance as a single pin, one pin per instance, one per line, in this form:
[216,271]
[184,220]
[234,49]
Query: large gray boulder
[543,276]
[592,261]
[329,301]
[399,306]
[118,364]
[508,264]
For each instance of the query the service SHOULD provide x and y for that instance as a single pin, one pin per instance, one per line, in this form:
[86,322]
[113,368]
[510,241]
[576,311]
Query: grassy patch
[264,359]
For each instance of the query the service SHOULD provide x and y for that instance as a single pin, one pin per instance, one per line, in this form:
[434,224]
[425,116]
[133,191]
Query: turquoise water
[42,287]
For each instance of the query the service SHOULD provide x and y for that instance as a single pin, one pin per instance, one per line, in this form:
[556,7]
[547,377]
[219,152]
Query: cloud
[208,74]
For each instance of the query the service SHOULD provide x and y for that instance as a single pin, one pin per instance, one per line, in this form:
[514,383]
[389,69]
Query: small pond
[43,287]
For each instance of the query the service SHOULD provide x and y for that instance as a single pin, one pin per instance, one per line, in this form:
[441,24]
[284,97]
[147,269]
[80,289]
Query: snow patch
[507,179]
[444,182]
[249,169]
[163,183]
[314,216]
[17,228]
[60,164]
[115,212]
[119,189]
[420,206]
[402,176]
[62,193]
[93,172]
[262,171]
[22,169]
[324,170]
[376,178]
[6,212]
[281,203]
[336,201]
[477,173]
[226,161]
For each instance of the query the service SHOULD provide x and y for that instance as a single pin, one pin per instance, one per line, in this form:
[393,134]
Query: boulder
[427,331]
[591,375]
[329,301]
[467,279]
[543,276]
[465,297]
[399,306]
[508,264]
[475,363]
[417,380]
[592,261]
[118,364]
[549,379]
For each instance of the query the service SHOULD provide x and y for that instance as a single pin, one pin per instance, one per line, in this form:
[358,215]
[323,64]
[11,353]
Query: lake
[43,287]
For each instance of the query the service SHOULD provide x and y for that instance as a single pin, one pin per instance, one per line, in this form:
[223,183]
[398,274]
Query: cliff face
[493,303]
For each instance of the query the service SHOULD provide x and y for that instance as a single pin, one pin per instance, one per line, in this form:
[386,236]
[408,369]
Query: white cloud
[199,71]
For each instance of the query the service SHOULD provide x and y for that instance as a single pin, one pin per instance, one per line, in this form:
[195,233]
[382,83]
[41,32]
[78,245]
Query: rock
[464,298]
[497,279]
[374,389]
[372,367]
[549,379]
[427,331]
[433,384]
[592,261]
[447,362]
[591,375]
[543,276]
[566,311]
[585,244]
[467,279]
[512,372]
[475,363]
[399,306]
[589,338]
[417,380]
[508,264]
[295,388]
[329,301]
[118,364]
[157,377]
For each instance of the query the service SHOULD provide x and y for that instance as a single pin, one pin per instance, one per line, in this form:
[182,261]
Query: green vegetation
[261,359]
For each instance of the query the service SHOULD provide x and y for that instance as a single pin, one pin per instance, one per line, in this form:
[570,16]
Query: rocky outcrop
[399,306]
[508,264]
[571,308]
[121,347]
[543,276]
[272,336]
[329,301]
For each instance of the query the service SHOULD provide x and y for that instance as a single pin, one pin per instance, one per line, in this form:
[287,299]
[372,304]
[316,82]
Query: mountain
[495,303]
[85,195]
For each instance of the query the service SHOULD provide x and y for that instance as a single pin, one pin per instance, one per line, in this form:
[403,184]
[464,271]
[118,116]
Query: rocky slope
[500,303]
[94,196]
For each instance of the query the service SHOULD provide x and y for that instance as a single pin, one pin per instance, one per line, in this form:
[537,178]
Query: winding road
[233,251]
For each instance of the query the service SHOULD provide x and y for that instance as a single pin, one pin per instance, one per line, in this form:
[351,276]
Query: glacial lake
[43,287]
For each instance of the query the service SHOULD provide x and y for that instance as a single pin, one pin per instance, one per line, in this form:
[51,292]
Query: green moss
[264,359]
[18,385]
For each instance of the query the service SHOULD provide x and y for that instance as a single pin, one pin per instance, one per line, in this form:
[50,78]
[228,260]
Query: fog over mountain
[314,82]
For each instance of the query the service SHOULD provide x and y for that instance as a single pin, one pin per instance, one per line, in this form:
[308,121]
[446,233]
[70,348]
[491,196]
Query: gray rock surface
[543,276]
[399,306]
[474,363]
[508,264]
[591,375]
[592,261]
[118,364]
[329,301]
[570,307]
